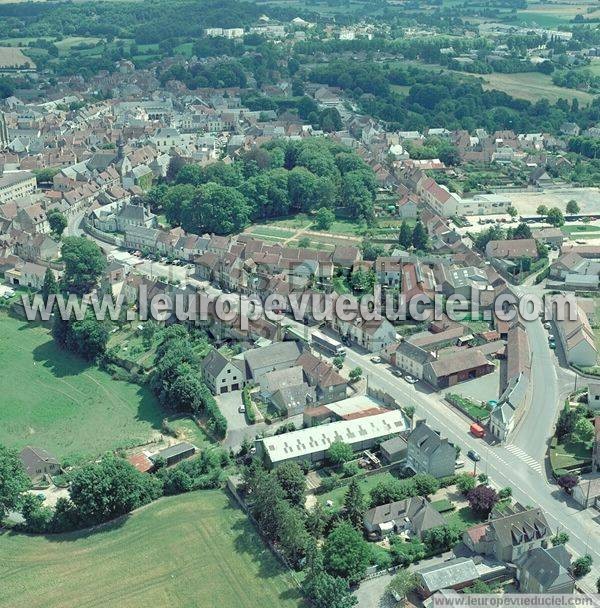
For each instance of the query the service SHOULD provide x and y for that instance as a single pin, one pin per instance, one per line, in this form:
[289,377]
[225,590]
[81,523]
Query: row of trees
[103,490]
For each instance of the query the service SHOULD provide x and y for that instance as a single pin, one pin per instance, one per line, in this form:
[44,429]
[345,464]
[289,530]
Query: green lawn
[54,400]
[192,550]
[187,430]
[569,453]
[366,483]
[462,518]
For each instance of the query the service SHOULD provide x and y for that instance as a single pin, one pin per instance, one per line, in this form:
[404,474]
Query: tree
[522,231]
[440,538]
[405,236]
[420,238]
[216,208]
[304,242]
[339,453]
[57,221]
[560,538]
[50,285]
[555,217]
[482,478]
[87,337]
[584,430]
[346,554]
[292,536]
[338,361]
[103,490]
[409,410]
[482,499]
[465,483]
[566,422]
[512,211]
[572,207]
[84,262]
[582,566]
[505,493]
[402,584]
[355,374]
[425,484]
[324,218]
[542,210]
[317,521]
[13,480]
[292,482]
[326,591]
[567,482]
[354,504]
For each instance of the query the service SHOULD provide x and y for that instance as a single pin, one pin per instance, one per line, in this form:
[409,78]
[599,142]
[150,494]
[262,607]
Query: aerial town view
[299,303]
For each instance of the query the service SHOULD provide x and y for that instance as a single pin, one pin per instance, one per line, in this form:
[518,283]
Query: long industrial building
[311,444]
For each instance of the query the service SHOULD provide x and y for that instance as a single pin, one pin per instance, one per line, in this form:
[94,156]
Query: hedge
[248,406]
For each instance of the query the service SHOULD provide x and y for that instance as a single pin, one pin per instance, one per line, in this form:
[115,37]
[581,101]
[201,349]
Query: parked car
[242,409]
[375,359]
[473,455]
[552,345]
[550,337]
[397,373]
[547,325]
[410,379]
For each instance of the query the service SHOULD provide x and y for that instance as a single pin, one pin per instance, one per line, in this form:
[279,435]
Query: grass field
[56,401]
[366,483]
[532,86]
[191,550]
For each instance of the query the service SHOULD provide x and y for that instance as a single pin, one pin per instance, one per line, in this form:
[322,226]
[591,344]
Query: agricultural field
[55,400]
[196,549]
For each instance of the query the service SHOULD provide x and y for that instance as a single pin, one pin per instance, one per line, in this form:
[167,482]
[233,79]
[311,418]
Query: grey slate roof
[414,353]
[272,354]
[417,509]
[549,567]
[214,363]
[449,574]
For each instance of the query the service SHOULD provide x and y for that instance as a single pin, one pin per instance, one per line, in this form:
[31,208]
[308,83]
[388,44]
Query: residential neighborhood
[299,302]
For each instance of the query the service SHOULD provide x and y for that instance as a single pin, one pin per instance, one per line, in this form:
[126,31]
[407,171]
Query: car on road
[242,409]
[375,359]
[473,455]
[410,379]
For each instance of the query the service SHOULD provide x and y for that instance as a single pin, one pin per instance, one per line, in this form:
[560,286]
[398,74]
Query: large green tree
[13,480]
[216,208]
[57,221]
[292,481]
[346,554]
[103,490]
[84,263]
[354,504]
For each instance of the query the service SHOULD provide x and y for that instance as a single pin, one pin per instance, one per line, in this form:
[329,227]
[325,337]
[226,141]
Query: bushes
[248,406]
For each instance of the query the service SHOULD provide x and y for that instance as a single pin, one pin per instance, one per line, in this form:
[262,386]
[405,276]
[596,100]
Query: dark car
[473,455]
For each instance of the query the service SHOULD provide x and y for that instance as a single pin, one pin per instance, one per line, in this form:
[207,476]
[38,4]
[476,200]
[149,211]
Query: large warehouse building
[312,443]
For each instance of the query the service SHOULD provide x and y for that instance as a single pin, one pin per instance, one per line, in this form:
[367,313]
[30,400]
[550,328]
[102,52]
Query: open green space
[195,549]
[366,484]
[469,406]
[462,518]
[186,429]
[569,454]
[55,400]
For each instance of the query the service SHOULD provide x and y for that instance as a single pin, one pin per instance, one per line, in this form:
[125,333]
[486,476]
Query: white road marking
[524,456]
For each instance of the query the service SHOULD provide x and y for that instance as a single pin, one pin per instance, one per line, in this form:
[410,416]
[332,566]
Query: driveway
[372,593]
